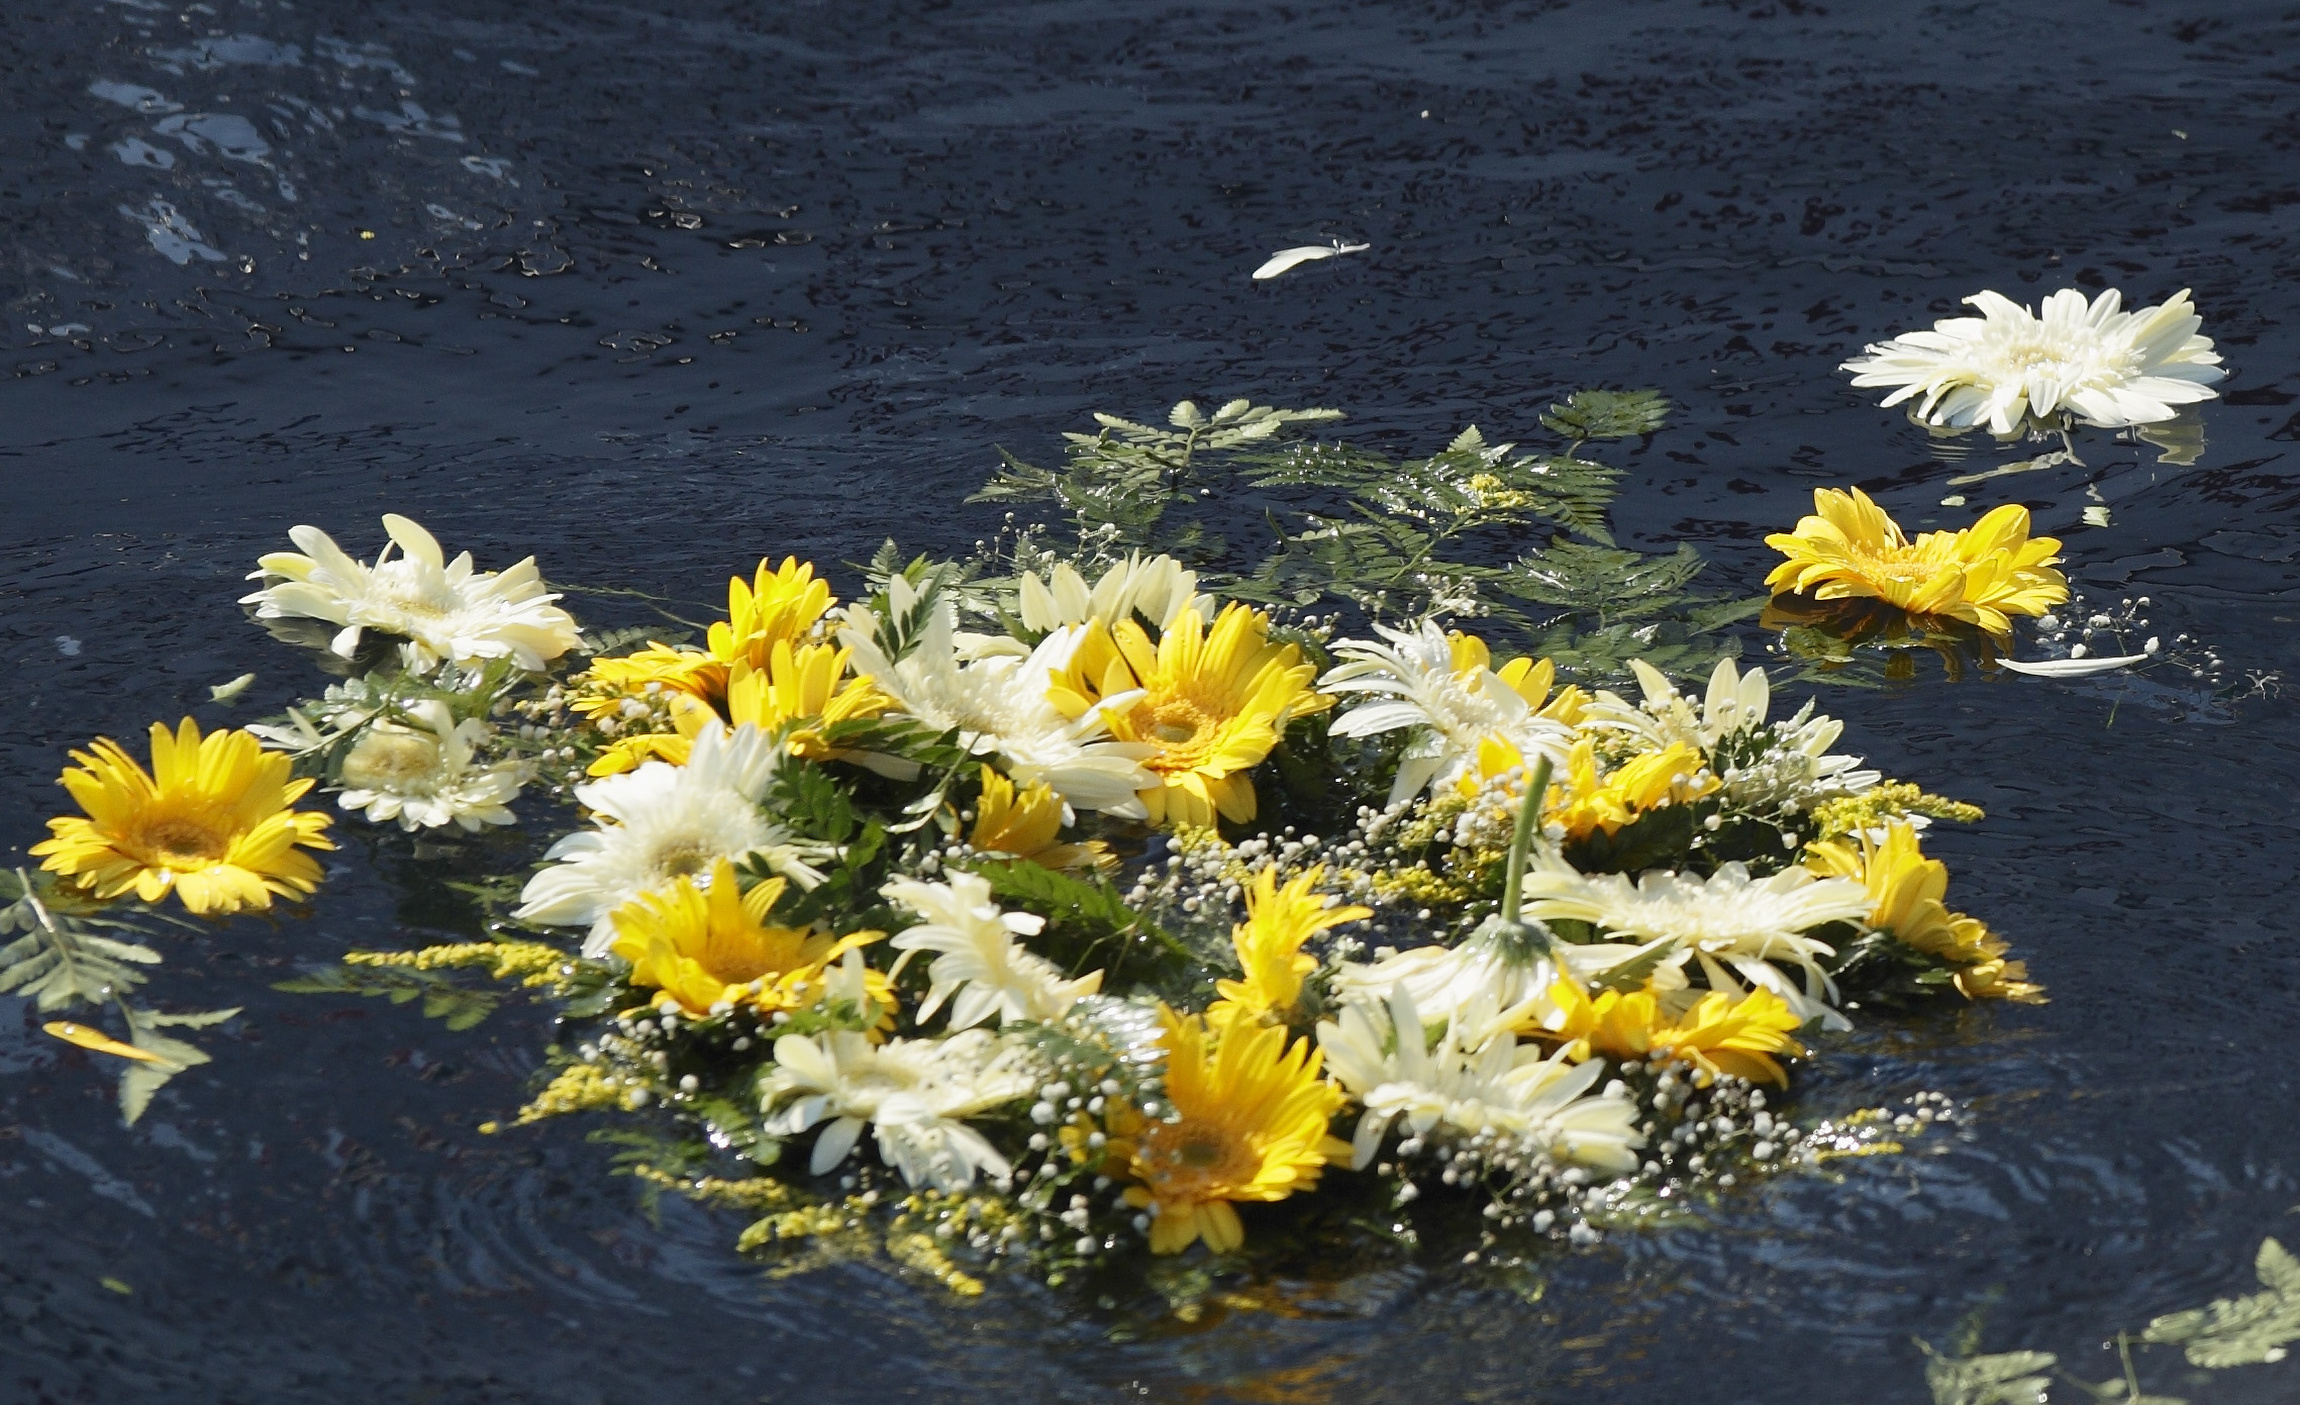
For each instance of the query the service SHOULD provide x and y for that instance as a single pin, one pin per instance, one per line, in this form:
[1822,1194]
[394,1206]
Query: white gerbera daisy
[1444,982]
[980,963]
[422,776]
[661,822]
[915,1092]
[2104,366]
[1419,682]
[1485,1083]
[444,609]
[1730,918]
[999,706]
[1157,588]
[1787,766]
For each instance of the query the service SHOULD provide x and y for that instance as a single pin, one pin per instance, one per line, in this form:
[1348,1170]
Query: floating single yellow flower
[1906,890]
[1028,824]
[704,948]
[1720,1035]
[1215,701]
[1269,944]
[1981,575]
[210,822]
[1584,801]
[1250,1124]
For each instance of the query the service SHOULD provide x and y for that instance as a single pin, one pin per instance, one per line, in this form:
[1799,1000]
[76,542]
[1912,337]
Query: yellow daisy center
[1198,1160]
[1178,723]
[183,841]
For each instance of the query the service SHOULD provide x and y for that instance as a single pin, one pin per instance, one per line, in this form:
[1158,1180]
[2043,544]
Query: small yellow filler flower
[210,822]
[1269,944]
[1215,701]
[713,947]
[1981,575]
[1250,1124]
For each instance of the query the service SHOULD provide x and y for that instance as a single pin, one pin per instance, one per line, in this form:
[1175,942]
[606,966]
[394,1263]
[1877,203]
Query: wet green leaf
[1608,414]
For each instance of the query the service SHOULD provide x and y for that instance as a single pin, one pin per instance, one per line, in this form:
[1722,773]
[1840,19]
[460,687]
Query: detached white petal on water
[1286,259]
[2072,668]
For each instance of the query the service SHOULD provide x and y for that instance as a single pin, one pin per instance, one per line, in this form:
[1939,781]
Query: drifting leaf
[1286,259]
[1608,414]
[2240,1331]
[2008,1378]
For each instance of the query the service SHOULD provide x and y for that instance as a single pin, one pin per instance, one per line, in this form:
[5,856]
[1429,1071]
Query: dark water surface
[654,290]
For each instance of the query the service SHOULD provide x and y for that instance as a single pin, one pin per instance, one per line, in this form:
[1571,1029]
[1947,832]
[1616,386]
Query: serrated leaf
[1608,414]
[2007,1378]
[2240,1331]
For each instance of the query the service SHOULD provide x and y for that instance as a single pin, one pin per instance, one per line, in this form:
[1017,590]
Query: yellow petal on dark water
[97,1040]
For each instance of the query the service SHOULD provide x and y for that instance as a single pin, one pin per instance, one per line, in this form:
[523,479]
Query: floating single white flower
[423,776]
[915,1093]
[1157,588]
[998,706]
[444,609]
[1286,259]
[661,822]
[1725,920]
[2104,366]
[979,967]
[1484,1082]
[1421,679]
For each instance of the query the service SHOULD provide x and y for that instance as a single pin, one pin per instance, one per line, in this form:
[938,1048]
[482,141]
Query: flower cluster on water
[987,914]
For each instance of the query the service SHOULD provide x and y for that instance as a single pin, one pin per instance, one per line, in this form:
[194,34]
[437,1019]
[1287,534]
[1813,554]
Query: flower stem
[1528,820]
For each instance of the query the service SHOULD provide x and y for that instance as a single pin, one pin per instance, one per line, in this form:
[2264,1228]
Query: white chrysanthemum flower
[978,961]
[999,706]
[661,822]
[422,776]
[1725,920]
[2104,366]
[444,609]
[1485,1083]
[1417,683]
[1157,588]
[914,1092]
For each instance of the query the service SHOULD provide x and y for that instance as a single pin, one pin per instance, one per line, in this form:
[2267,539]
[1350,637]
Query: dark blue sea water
[652,291]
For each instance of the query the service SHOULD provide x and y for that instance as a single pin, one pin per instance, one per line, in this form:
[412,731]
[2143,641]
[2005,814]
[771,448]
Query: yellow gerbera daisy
[1583,801]
[1980,575]
[1905,898]
[777,605]
[1721,1034]
[1027,824]
[210,822]
[801,684]
[1269,944]
[1215,701]
[1250,1124]
[702,948]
